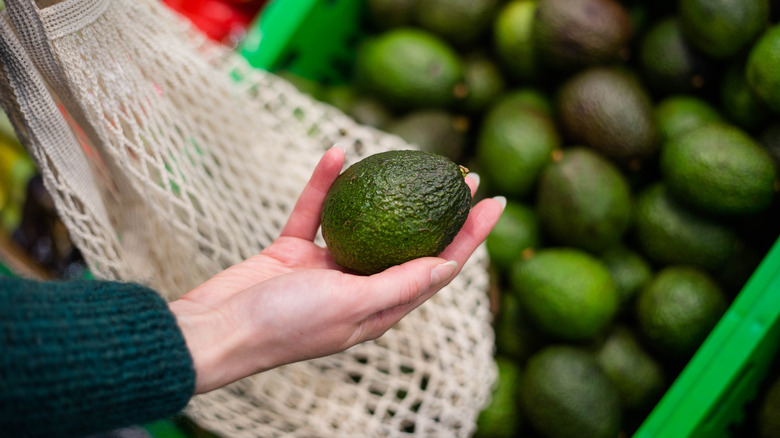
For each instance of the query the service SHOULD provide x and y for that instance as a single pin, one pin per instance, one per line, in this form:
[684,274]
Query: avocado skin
[393,207]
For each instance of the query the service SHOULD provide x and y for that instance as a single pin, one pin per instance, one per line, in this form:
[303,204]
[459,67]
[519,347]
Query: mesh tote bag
[170,159]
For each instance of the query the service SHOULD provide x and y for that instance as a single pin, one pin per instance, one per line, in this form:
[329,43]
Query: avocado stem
[463,170]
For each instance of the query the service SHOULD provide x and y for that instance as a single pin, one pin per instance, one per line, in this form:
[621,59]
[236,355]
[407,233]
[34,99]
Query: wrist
[211,342]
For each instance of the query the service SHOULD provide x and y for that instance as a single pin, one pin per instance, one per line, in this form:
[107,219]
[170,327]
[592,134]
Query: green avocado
[393,207]
[583,200]
[501,418]
[565,393]
[408,68]
[573,34]
[608,109]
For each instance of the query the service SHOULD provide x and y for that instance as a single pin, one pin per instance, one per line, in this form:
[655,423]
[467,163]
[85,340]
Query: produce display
[637,143]
[638,146]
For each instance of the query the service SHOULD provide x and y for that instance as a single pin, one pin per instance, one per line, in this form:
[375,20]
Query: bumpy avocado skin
[393,207]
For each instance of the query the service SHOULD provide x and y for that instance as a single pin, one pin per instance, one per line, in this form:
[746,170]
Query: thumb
[409,282]
[402,289]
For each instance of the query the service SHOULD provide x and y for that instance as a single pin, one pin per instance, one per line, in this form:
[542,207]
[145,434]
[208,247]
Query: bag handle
[37,29]
[34,35]
[37,119]
[39,122]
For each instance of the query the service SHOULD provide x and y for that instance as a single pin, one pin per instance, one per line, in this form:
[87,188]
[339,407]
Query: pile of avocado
[637,143]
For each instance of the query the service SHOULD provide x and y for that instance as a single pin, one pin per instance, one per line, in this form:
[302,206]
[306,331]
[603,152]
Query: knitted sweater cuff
[87,356]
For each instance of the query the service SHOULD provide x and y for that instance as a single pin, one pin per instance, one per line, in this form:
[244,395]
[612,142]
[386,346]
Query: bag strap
[40,79]
[40,124]
[43,129]
[34,34]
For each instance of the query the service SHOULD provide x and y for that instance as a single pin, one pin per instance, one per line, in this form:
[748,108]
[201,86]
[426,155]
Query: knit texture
[81,357]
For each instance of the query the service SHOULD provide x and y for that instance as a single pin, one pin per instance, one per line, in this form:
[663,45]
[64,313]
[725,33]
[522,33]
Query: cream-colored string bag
[170,159]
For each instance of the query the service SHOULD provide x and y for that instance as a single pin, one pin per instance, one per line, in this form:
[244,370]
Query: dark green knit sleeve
[81,357]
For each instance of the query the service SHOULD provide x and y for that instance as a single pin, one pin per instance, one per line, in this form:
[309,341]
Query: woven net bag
[169,159]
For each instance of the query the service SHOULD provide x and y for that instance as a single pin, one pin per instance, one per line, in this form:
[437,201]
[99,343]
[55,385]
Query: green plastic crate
[708,397]
[315,39]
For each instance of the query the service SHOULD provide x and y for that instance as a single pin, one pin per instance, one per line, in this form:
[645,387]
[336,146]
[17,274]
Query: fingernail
[443,272]
[475,177]
[501,200]
[339,146]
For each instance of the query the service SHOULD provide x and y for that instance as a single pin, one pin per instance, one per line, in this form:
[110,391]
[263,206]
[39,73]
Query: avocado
[462,22]
[565,393]
[668,63]
[434,130]
[668,232]
[513,41]
[342,96]
[566,292]
[392,207]
[677,310]
[370,111]
[501,418]
[680,113]
[738,102]
[516,336]
[608,109]
[629,269]
[514,143]
[517,232]
[637,375]
[762,70]
[408,68]
[583,200]
[572,34]
[722,28]
[533,98]
[483,80]
[719,169]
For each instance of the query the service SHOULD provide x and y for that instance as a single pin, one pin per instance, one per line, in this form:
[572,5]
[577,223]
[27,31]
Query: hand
[292,302]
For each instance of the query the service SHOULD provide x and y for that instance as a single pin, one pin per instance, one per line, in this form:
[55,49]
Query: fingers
[481,220]
[400,289]
[472,179]
[305,217]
